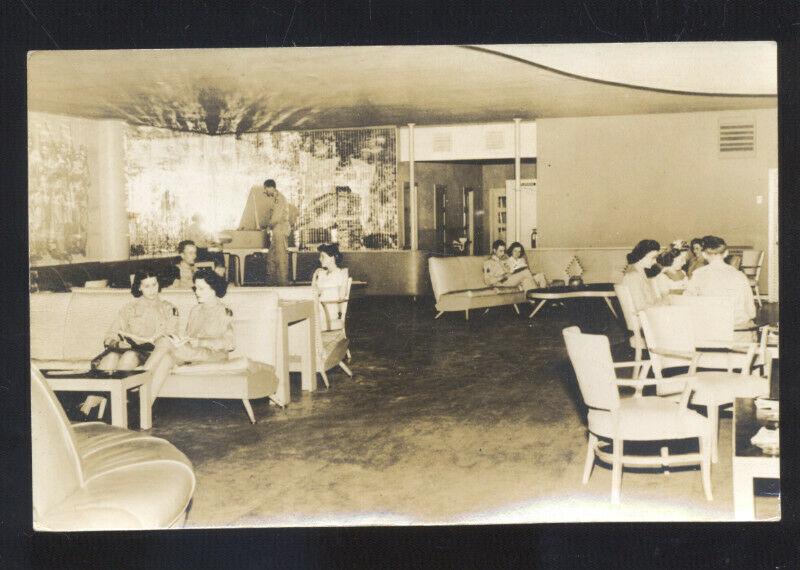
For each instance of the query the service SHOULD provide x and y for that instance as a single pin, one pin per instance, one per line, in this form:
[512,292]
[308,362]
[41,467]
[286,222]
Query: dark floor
[444,421]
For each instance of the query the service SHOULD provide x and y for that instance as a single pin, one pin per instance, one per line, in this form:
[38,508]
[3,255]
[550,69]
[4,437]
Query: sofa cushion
[230,366]
[48,321]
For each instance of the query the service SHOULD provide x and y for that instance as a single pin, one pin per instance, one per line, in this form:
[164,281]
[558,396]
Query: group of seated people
[652,275]
[508,267]
[145,332]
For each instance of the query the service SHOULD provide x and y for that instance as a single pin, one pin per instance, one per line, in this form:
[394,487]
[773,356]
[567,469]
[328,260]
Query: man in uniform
[496,272]
[268,208]
[718,279]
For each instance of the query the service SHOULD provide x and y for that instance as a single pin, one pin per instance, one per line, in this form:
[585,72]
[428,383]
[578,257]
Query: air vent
[737,137]
[442,142]
[495,140]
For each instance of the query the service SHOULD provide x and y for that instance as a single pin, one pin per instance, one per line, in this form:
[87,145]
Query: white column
[108,207]
[517,178]
[412,189]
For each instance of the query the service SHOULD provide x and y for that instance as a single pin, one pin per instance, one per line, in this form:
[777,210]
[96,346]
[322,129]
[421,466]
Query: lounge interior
[455,403]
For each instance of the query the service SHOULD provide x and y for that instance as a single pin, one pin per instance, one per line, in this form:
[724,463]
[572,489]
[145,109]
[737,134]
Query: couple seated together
[713,278]
[145,333]
[509,268]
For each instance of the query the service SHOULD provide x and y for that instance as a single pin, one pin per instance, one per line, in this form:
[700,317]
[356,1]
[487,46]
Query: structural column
[412,189]
[517,179]
[108,212]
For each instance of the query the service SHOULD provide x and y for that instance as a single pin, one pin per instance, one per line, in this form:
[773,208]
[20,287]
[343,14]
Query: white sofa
[93,476]
[67,331]
[458,285]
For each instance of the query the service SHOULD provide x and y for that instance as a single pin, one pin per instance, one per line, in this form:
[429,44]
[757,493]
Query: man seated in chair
[718,279]
[496,271]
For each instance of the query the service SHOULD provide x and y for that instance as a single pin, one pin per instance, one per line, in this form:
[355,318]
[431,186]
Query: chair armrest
[329,301]
[673,353]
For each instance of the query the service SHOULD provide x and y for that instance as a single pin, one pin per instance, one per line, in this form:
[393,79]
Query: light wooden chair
[631,321]
[670,336]
[618,419]
[752,260]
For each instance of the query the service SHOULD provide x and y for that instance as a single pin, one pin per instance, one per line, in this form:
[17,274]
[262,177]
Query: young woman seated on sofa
[642,257]
[209,332]
[329,281]
[517,262]
[131,340]
[496,272]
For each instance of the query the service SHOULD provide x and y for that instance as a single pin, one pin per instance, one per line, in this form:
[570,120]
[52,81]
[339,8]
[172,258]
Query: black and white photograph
[412,285]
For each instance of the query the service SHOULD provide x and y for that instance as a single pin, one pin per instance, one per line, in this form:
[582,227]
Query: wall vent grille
[442,142]
[737,137]
[495,140]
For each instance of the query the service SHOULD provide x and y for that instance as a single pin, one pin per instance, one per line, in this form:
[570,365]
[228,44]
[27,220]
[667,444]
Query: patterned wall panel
[345,178]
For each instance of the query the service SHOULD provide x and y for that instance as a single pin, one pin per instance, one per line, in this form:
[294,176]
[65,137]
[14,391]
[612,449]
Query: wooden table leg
[145,407]
[744,508]
[309,369]
[119,406]
[537,308]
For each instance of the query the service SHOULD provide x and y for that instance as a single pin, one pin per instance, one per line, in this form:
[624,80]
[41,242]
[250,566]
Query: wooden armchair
[649,418]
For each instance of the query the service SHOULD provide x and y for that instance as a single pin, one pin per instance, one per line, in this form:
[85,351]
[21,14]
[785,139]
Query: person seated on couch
[642,258]
[496,271]
[517,262]
[718,279]
[209,332]
[329,280]
[131,339]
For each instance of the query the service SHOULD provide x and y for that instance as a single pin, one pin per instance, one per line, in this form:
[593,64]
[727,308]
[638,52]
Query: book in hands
[137,342]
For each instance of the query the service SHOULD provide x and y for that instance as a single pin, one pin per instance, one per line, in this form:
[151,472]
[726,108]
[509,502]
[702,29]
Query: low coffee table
[599,290]
[117,384]
[749,461]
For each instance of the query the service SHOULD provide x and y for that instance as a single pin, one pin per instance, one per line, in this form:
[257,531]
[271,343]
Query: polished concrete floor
[445,421]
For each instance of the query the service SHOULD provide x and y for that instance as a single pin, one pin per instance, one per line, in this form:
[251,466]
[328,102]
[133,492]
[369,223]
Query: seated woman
[209,332]
[642,257]
[671,278]
[697,260]
[518,262]
[138,326]
[496,271]
[329,280]
[718,279]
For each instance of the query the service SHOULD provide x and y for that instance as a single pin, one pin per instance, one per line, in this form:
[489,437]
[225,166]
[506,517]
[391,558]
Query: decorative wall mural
[58,193]
[179,183]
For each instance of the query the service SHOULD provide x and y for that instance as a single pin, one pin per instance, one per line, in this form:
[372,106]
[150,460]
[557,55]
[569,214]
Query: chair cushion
[721,388]
[648,419]
[131,481]
[147,495]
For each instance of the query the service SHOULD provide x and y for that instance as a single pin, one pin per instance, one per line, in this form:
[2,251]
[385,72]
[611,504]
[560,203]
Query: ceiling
[225,91]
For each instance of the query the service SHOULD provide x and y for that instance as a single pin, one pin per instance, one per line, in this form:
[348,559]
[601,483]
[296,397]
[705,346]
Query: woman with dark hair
[517,263]
[697,260]
[209,332]
[642,257]
[329,280]
[132,337]
[671,278]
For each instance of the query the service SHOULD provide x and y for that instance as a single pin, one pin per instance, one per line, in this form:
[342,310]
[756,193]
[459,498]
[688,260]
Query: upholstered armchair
[92,476]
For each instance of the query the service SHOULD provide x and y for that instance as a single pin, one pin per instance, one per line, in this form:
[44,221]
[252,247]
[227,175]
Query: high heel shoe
[89,403]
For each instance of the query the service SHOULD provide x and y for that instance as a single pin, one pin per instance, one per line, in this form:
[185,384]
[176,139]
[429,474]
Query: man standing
[268,208]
